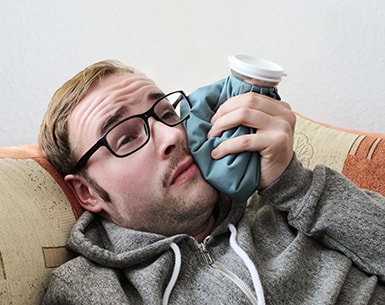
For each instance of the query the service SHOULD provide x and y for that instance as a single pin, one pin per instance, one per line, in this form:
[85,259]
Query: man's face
[158,188]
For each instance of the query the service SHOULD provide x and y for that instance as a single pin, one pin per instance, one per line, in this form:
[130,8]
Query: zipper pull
[206,254]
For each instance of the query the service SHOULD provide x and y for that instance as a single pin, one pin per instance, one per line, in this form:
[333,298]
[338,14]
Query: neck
[206,230]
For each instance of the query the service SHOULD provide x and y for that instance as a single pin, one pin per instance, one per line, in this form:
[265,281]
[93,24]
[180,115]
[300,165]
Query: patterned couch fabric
[37,209]
[35,220]
[358,155]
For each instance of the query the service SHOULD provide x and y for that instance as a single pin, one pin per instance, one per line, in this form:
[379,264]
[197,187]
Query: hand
[275,124]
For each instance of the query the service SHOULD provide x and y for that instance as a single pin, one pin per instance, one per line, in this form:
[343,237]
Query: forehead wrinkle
[122,112]
[121,89]
[125,85]
[113,119]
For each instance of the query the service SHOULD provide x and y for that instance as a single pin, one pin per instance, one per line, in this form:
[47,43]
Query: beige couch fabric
[358,155]
[35,220]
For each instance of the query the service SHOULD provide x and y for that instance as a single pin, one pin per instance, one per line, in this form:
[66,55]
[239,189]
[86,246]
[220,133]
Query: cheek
[127,175]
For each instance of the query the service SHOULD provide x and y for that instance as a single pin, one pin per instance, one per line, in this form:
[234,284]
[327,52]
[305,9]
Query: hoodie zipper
[209,260]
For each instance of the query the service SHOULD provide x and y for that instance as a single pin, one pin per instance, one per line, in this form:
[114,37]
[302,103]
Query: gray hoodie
[310,238]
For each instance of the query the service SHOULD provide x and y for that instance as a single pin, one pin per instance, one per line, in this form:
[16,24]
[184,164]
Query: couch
[37,209]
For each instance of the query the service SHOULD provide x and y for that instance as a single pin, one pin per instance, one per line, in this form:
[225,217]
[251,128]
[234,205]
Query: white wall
[333,51]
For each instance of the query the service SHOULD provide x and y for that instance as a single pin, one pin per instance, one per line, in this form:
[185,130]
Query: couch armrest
[37,212]
[358,155]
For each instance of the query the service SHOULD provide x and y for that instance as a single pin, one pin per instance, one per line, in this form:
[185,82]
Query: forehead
[111,98]
[130,89]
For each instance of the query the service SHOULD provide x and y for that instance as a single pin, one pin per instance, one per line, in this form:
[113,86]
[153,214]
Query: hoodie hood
[107,244]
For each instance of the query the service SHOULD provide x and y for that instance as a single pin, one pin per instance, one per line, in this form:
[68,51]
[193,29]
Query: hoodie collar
[108,244]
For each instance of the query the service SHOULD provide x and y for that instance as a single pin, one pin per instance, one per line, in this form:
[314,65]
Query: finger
[275,138]
[241,116]
[233,146]
[251,100]
[252,118]
[250,109]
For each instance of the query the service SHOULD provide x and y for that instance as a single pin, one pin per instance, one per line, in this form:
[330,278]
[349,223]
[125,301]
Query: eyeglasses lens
[131,134]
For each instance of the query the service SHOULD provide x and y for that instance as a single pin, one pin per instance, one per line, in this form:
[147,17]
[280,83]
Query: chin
[208,193]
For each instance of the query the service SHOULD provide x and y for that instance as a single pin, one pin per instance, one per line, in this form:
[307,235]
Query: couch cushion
[37,211]
[358,155]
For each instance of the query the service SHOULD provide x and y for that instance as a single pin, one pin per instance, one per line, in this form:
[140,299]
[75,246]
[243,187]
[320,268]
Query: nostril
[169,149]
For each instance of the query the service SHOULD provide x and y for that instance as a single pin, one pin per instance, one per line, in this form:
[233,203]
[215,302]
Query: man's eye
[169,114]
[124,140]
[128,137]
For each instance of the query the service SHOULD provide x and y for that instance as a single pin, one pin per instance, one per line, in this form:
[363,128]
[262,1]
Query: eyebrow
[155,96]
[121,113]
[112,120]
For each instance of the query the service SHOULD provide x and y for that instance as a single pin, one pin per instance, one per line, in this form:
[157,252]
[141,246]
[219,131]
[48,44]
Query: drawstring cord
[249,264]
[175,273]
[240,252]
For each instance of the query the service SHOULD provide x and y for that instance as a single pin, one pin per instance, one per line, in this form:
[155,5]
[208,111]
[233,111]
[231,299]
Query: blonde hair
[53,136]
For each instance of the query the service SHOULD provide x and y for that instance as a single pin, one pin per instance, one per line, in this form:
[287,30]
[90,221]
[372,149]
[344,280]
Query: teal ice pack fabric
[235,175]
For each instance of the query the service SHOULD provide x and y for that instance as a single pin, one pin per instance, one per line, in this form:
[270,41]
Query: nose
[167,139]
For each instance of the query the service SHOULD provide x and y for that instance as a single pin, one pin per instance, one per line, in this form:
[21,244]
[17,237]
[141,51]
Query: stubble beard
[169,214]
[185,214]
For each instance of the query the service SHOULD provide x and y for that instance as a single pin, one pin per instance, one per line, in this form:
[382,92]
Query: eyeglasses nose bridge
[150,113]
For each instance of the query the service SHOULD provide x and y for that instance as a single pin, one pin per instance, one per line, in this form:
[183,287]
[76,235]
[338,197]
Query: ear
[84,193]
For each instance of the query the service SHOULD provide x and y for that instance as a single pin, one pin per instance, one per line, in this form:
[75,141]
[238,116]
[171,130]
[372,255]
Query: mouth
[186,170]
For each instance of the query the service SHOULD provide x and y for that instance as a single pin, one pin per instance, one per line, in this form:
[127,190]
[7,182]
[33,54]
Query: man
[154,232]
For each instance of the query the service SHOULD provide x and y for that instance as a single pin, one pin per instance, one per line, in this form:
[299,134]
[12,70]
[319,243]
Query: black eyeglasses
[132,133]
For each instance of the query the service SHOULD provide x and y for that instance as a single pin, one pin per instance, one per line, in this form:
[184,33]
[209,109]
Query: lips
[185,171]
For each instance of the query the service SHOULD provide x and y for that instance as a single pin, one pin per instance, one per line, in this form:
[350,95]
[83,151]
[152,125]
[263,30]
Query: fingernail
[214,153]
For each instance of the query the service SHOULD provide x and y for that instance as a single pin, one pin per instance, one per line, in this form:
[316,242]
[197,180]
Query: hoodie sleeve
[326,206]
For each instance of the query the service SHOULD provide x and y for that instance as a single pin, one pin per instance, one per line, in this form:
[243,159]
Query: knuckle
[243,112]
[246,142]
[286,105]
[290,118]
[252,98]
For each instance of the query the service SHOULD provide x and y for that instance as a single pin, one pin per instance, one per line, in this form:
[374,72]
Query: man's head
[53,137]
[157,188]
